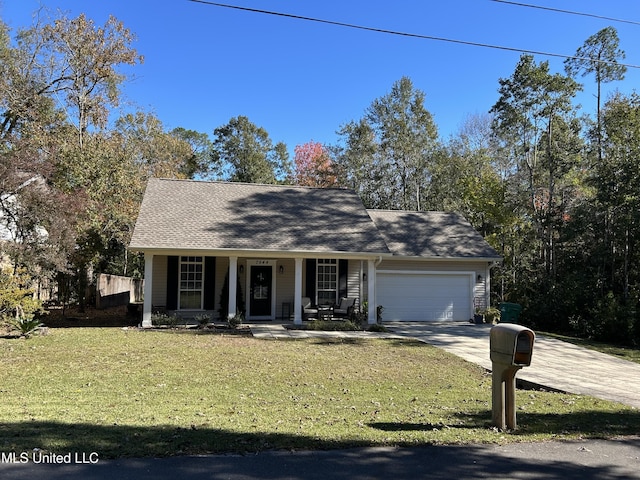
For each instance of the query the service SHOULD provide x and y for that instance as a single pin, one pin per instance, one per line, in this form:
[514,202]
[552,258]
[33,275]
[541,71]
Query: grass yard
[157,393]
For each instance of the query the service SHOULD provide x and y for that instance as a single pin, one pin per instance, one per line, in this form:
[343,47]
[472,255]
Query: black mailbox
[511,344]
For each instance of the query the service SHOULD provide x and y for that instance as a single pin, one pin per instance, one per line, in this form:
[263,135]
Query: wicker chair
[345,307]
[307,309]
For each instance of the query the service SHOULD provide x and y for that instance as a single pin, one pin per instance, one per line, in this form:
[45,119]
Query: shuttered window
[327,281]
[191,283]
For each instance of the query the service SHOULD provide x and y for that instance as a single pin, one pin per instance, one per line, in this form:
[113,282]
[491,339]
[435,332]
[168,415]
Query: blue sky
[302,80]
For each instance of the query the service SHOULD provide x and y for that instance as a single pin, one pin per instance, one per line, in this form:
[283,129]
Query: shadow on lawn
[589,424]
[398,342]
[461,461]
[133,441]
[111,441]
[358,341]
[211,330]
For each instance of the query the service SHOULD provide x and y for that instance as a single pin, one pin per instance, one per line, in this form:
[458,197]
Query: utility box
[509,312]
[511,348]
[511,344]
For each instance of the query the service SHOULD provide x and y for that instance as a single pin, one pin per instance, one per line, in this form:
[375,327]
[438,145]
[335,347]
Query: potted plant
[478,316]
[492,315]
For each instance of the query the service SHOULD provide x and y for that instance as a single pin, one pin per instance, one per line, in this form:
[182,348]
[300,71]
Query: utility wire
[403,34]
[570,12]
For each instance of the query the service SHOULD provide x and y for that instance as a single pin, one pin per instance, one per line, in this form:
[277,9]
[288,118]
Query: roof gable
[430,235]
[184,214]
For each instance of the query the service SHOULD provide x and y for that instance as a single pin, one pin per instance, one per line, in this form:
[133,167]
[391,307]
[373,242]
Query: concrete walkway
[276,331]
[557,365]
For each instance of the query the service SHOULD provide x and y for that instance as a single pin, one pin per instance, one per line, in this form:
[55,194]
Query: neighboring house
[10,234]
[278,244]
[10,210]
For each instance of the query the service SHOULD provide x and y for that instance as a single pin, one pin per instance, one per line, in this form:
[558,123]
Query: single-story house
[265,247]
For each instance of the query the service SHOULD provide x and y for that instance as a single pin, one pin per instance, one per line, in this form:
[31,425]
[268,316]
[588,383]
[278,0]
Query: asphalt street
[579,460]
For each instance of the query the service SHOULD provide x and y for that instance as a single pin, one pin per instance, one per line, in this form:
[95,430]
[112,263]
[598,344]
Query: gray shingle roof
[431,235]
[183,214]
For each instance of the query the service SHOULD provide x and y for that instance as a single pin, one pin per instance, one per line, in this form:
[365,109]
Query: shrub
[26,325]
[235,321]
[581,326]
[613,320]
[332,325]
[203,320]
[223,311]
[164,320]
[376,327]
[492,315]
[359,315]
[16,298]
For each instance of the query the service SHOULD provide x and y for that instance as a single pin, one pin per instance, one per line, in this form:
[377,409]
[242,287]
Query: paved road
[587,460]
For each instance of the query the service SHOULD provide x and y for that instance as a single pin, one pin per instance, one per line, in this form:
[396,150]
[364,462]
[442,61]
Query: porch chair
[307,310]
[344,308]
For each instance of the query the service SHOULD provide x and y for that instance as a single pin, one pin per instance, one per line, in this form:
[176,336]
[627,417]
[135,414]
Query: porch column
[371,292]
[297,295]
[233,286]
[148,289]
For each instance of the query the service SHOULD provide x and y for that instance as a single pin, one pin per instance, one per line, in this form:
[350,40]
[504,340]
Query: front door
[260,290]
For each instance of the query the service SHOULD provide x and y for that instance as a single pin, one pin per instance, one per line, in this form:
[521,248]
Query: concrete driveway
[555,364]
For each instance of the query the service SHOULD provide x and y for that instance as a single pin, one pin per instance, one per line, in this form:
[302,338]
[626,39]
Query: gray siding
[285,286]
[355,285]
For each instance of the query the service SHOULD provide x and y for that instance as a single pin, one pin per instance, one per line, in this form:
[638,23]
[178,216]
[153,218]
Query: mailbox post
[510,348]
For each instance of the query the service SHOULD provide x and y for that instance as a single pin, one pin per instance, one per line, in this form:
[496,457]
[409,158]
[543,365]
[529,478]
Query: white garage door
[420,297]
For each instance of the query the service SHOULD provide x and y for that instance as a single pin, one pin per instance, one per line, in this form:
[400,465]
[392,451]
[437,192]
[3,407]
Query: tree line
[553,188]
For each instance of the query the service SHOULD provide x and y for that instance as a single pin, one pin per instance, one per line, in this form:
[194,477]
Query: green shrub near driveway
[129,392]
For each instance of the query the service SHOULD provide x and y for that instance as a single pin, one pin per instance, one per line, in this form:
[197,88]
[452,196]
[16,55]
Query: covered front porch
[257,286]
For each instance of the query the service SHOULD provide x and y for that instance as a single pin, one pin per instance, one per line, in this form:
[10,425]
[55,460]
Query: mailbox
[511,344]
[511,348]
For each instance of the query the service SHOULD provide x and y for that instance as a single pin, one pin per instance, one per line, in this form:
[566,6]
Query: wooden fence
[114,290]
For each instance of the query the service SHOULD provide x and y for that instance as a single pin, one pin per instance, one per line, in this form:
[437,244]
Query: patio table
[325,312]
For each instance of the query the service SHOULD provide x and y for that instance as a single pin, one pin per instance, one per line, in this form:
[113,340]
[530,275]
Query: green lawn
[155,393]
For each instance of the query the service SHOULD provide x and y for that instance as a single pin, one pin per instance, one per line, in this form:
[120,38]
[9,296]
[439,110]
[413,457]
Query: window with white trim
[327,281]
[191,283]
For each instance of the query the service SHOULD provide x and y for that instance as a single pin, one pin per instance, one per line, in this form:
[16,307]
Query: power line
[570,12]
[403,34]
